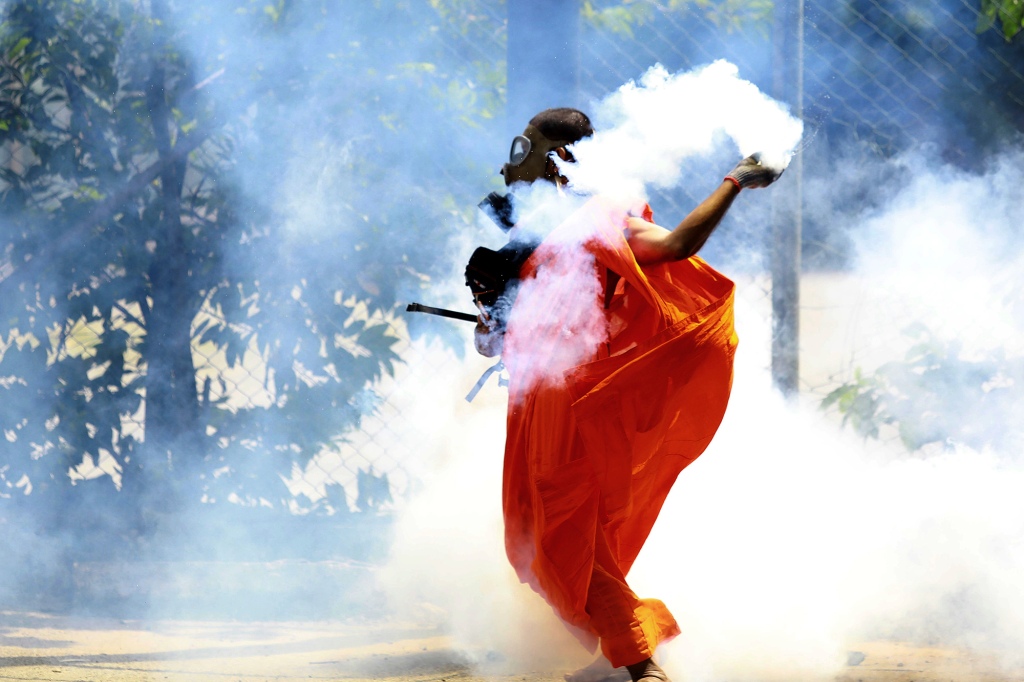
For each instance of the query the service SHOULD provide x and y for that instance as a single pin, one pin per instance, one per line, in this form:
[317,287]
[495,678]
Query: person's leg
[629,628]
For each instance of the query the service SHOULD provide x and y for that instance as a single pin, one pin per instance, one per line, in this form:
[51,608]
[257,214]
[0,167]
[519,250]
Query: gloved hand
[749,173]
[487,337]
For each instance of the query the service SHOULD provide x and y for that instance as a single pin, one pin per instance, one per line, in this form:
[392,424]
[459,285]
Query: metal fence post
[543,58]
[787,210]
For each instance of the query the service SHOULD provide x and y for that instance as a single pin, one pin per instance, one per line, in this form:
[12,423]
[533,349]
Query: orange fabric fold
[592,452]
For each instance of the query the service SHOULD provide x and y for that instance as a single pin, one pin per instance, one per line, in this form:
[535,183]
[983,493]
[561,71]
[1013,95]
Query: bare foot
[599,671]
[647,671]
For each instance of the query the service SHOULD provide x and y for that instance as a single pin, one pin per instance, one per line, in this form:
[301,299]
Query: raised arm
[654,244]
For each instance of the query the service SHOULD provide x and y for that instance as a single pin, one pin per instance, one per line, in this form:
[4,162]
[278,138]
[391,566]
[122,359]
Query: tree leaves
[1007,14]
[251,94]
[621,16]
[935,396]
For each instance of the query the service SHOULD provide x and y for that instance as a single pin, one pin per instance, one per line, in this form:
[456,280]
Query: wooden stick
[454,314]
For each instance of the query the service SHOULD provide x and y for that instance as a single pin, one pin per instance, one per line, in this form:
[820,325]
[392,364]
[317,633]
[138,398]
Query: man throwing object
[597,437]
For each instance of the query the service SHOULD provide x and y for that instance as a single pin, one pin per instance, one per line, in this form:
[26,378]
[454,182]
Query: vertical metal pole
[543,58]
[787,207]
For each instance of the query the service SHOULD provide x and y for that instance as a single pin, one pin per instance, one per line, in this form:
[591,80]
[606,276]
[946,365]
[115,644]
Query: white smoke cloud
[948,245]
[448,565]
[791,541]
[646,130]
[645,133]
[557,321]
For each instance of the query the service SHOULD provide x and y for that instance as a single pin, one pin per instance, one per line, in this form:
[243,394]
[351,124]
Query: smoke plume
[792,541]
[647,130]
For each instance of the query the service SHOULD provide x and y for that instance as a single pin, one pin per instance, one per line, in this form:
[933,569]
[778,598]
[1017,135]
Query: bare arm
[653,244]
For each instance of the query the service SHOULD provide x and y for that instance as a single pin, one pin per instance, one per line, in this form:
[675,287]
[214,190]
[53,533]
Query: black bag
[491,275]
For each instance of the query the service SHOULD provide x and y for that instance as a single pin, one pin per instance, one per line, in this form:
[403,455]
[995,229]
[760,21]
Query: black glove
[749,173]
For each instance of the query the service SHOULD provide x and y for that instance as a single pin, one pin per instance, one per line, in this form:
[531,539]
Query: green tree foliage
[621,16]
[935,396]
[209,212]
[1006,15]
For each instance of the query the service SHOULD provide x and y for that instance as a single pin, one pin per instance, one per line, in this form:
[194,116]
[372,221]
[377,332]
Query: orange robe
[591,455]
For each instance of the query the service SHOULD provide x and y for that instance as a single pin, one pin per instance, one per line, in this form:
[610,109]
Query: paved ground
[41,647]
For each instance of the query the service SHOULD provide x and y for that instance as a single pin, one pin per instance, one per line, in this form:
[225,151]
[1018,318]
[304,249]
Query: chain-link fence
[681,37]
[883,79]
[880,78]
[364,470]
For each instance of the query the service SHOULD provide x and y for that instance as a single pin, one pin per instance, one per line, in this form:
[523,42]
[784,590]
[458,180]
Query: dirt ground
[41,647]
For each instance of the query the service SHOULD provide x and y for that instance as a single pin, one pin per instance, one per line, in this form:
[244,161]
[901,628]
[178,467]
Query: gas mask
[528,157]
[527,161]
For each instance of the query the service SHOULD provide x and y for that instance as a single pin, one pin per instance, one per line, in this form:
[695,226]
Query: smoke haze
[788,543]
[791,541]
[646,131]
